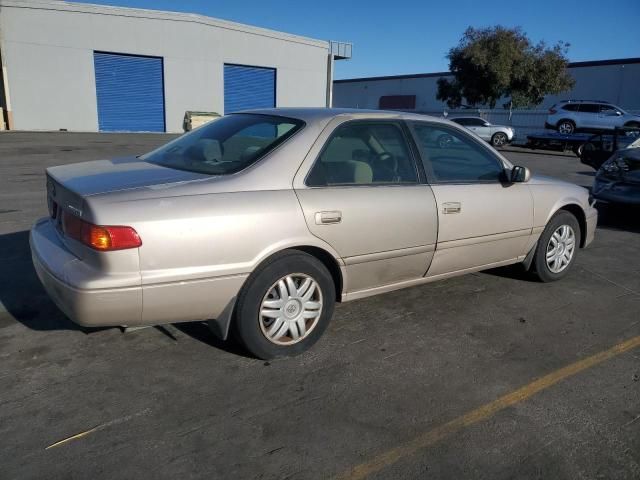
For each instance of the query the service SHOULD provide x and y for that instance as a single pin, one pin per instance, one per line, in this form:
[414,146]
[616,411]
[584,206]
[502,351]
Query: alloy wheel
[499,139]
[566,128]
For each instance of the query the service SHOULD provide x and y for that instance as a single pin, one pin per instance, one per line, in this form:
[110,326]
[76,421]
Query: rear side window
[227,145]
[450,156]
[571,107]
[363,153]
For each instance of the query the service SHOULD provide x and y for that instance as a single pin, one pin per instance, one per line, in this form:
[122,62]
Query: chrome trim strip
[404,252]
[484,239]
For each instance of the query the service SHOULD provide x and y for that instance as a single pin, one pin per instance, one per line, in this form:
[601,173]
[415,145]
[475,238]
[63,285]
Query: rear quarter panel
[195,237]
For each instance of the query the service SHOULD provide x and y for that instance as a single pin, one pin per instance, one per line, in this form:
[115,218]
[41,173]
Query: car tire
[566,127]
[267,323]
[557,247]
[499,139]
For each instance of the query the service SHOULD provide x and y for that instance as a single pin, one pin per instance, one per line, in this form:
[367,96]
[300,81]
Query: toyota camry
[259,222]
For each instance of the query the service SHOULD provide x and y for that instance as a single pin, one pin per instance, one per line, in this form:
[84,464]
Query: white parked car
[497,135]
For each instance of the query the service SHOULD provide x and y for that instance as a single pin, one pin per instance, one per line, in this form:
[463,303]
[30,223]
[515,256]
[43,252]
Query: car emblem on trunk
[75,210]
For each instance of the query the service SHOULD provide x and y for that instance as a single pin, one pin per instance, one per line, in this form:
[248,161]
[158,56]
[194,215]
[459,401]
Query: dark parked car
[600,147]
[618,179]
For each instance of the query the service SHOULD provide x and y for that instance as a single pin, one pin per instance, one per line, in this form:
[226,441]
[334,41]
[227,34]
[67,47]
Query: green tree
[494,63]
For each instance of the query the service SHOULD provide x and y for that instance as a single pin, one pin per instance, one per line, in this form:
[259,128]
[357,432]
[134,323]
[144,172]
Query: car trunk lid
[68,187]
[103,176]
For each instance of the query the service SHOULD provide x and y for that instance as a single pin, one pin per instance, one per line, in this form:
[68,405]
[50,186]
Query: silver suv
[570,116]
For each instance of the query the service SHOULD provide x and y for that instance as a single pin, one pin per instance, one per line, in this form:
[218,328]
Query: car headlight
[614,166]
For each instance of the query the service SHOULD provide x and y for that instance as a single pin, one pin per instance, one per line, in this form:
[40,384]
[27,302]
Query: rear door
[361,192]
[483,221]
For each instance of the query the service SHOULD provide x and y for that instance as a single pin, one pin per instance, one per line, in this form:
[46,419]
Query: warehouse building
[81,67]
[614,81]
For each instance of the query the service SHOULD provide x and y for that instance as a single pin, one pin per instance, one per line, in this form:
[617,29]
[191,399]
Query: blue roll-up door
[130,91]
[248,87]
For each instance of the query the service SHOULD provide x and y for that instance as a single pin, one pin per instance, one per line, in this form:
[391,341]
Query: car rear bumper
[61,272]
[64,277]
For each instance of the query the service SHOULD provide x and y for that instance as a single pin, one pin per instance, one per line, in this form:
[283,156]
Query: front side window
[450,156]
[363,153]
[227,145]
[609,109]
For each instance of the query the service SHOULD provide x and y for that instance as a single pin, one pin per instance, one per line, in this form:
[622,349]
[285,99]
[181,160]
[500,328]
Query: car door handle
[327,218]
[451,207]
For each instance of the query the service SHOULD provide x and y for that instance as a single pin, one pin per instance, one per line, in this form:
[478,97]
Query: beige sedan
[260,221]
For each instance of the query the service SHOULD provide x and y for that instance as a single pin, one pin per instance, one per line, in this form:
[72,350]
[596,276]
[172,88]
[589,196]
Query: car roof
[583,101]
[311,114]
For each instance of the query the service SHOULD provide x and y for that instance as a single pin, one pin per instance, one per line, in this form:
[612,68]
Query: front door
[483,220]
[609,117]
[363,196]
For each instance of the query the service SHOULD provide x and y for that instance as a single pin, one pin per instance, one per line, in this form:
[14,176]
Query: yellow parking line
[72,437]
[431,437]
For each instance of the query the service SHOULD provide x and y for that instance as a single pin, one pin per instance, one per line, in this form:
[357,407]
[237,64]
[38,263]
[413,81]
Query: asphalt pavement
[489,375]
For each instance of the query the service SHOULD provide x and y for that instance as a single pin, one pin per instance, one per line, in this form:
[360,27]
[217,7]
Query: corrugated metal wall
[130,92]
[248,87]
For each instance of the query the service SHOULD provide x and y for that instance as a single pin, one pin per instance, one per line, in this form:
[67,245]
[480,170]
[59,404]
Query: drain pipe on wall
[6,115]
[329,80]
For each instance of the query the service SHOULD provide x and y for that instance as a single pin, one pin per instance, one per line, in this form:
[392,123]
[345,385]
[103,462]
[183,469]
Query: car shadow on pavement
[514,272]
[618,217]
[22,297]
[200,331]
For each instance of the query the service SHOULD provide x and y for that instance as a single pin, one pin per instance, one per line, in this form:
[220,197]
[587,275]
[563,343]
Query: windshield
[227,145]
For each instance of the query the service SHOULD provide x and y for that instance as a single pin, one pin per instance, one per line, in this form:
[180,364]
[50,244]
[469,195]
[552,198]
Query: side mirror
[520,174]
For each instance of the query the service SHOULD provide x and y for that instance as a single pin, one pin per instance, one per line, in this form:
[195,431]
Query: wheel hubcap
[561,248]
[291,309]
[499,139]
[566,128]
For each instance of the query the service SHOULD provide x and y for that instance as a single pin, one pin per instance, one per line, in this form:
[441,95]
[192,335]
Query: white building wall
[48,51]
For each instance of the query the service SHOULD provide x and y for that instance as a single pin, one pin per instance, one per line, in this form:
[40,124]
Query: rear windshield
[226,145]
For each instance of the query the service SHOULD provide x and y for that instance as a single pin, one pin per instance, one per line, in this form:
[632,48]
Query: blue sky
[392,38]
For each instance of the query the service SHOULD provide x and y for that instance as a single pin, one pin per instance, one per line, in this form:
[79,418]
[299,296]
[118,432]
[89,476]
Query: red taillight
[100,237]
[553,111]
